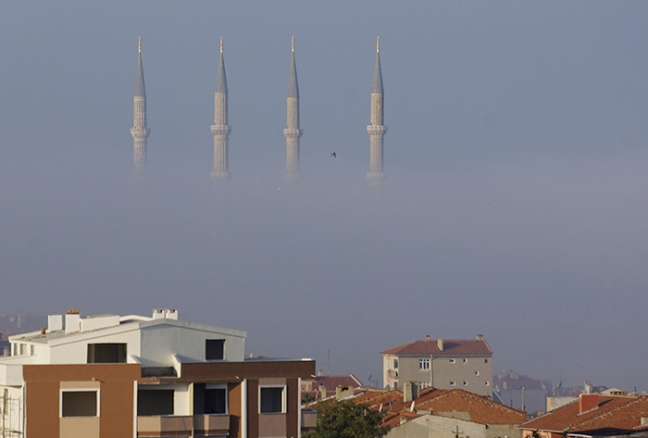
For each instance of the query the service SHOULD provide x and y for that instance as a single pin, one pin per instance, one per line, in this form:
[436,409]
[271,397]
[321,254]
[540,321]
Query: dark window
[215,349]
[79,404]
[209,400]
[155,402]
[272,399]
[106,353]
[215,401]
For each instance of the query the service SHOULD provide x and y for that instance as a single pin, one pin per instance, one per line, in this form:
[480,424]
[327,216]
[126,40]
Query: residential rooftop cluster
[157,376]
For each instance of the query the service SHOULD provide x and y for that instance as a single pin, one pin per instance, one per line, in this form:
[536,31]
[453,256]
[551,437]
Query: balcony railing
[182,424]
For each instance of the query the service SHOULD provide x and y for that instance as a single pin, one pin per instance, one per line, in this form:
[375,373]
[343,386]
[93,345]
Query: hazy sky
[515,206]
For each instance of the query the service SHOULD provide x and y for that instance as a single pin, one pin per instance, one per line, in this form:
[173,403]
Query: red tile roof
[613,415]
[451,347]
[449,403]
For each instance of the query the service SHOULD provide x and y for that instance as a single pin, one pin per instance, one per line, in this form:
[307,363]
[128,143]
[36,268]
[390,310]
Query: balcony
[182,425]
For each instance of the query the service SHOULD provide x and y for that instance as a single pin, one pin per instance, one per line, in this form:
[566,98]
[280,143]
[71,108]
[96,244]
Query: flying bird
[333,154]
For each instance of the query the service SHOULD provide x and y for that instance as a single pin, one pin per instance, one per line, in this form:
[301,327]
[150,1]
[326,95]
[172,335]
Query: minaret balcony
[376,129]
[220,129]
[292,133]
[140,132]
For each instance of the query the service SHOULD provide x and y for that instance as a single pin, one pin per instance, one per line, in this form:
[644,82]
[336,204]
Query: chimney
[427,337]
[54,322]
[322,392]
[165,314]
[410,392]
[320,373]
[343,392]
[587,402]
[440,344]
[479,337]
[72,321]
[588,387]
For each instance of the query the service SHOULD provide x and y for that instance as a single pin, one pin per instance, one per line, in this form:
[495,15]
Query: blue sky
[514,204]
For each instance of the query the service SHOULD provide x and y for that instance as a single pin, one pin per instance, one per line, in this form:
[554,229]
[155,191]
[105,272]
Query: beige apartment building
[440,363]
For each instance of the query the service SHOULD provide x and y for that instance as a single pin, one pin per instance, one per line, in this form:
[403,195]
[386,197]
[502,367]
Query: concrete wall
[433,426]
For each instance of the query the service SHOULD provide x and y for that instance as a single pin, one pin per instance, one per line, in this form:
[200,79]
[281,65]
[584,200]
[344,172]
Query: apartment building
[440,363]
[135,376]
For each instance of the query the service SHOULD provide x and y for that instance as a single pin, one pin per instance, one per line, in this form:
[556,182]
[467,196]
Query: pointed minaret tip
[378,44]
[139,44]
[221,44]
[292,44]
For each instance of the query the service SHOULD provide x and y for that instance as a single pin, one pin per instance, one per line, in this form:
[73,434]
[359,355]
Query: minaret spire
[220,129]
[292,132]
[139,131]
[376,129]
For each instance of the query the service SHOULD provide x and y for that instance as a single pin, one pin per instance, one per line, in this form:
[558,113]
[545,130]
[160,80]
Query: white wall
[161,342]
[74,348]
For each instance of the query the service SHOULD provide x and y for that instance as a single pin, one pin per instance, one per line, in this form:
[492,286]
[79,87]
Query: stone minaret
[376,129]
[139,131]
[220,129]
[292,131]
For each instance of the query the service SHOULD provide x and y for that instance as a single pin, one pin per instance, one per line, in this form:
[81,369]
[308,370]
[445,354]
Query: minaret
[220,129]
[376,129]
[139,131]
[292,131]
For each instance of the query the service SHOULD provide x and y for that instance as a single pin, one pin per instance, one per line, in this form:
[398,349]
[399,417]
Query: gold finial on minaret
[292,43]
[139,44]
[221,44]
[378,44]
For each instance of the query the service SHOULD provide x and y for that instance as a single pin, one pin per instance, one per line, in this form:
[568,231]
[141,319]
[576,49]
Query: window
[465,383]
[465,360]
[452,383]
[209,399]
[395,363]
[485,360]
[272,399]
[215,349]
[155,402]
[476,373]
[422,385]
[79,403]
[487,383]
[424,364]
[452,361]
[106,353]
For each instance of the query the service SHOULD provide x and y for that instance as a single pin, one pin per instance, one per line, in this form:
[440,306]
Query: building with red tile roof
[440,363]
[593,415]
[440,413]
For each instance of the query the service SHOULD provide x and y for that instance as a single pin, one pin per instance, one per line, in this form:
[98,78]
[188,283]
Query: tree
[347,419]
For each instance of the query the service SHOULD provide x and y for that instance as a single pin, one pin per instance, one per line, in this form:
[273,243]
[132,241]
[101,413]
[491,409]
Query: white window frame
[424,364]
[97,395]
[284,390]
